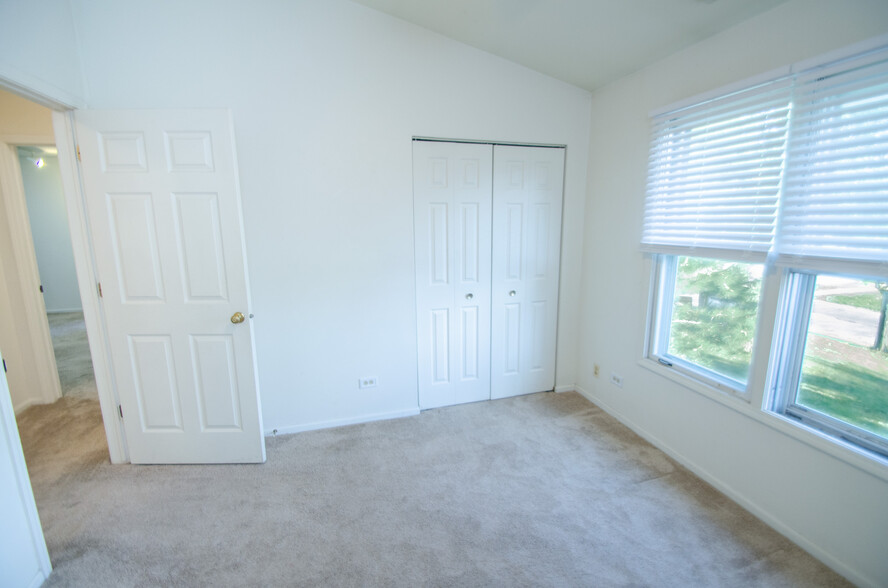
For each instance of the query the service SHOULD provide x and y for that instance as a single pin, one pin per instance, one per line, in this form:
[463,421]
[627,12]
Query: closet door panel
[526,243]
[452,186]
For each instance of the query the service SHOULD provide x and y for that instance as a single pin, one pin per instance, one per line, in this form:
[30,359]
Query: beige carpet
[541,490]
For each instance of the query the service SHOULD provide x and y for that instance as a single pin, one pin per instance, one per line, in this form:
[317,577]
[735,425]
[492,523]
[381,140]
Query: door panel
[134,243]
[155,382]
[199,233]
[164,214]
[452,206]
[527,200]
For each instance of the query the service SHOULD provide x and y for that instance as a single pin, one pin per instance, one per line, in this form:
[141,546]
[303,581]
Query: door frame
[564,146]
[88,282]
[84,262]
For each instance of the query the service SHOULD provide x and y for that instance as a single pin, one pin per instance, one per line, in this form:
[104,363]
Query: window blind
[835,197]
[714,175]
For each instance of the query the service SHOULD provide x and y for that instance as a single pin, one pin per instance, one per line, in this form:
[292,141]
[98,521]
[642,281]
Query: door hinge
[120,410]
[78,153]
[4,366]
[41,288]
[99,288]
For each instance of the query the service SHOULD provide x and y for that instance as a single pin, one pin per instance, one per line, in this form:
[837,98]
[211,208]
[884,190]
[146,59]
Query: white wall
[325,98]
[52,239]
[835,510]
[39,50]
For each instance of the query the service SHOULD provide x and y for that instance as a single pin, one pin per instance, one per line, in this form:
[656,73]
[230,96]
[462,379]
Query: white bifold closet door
[488,235]
[452,187]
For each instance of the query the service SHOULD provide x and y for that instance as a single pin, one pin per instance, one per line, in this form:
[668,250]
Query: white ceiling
[587,43]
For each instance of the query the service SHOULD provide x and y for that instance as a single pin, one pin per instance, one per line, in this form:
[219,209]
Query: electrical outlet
[369,382]
[596,370]
[616,379]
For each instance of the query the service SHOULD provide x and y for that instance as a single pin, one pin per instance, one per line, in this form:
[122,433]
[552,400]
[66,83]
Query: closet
[487,238]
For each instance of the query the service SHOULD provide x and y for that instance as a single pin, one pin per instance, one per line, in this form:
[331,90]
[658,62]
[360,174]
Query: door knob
[512,293]
[469,296]
[237,317]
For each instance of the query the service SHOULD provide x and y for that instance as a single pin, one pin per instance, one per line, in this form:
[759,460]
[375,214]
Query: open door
[164,213]
[23,555]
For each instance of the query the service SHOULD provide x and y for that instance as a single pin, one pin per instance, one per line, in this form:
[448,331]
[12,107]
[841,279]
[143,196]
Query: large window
[706,317]
[833,363]
[782,182]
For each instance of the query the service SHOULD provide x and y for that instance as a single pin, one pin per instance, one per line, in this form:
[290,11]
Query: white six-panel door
[452,203]
[164,213]
[488,239]
[527,195]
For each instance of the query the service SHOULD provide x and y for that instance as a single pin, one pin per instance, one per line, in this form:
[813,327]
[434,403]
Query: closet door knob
[512,293]
[469,296]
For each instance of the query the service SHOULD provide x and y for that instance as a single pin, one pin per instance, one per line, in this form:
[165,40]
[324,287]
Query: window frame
[664,276]
[790,342]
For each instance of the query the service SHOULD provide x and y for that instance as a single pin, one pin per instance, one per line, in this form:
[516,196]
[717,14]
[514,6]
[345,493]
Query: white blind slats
[826,179]
[686,195]
[742,151]
[861,155]
[706,131]
[843,112]
[797,166]
[868,198]
[764,161]
[835,203]
[826,224]
[715,173]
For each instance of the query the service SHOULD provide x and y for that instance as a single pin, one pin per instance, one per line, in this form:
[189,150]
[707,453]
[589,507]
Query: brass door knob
[237,318]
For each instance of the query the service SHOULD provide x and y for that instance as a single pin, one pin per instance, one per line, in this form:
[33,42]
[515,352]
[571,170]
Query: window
[711,217]
[706,317]
[786,181]
[833,364]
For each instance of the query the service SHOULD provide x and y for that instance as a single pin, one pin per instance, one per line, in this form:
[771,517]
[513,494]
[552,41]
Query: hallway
[72,354]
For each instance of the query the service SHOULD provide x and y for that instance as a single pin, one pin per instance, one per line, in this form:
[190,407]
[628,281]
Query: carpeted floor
[540,490]
[71,349]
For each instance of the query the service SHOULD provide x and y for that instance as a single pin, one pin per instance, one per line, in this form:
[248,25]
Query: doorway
[45,200]
[487,248]
[28,119]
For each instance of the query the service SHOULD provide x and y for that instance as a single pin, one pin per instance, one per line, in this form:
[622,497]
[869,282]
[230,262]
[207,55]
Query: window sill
[731,399]
[853,455]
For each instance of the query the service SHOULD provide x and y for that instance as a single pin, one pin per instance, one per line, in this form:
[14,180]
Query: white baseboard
[566,388]
[39,578]
[367,418]
[838,566]
[27,404]
[63,310]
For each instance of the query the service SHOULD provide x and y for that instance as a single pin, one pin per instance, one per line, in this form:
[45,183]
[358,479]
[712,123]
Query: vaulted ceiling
[587,43]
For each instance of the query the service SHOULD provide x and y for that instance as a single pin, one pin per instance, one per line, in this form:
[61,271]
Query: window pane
[714,314]
[845,368]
